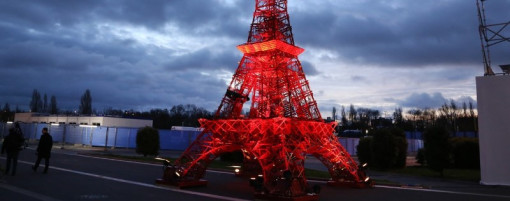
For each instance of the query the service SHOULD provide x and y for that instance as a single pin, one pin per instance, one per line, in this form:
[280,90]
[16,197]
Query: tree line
[452,116]
[449,115]
[384,145]
[41,105]
[179,115]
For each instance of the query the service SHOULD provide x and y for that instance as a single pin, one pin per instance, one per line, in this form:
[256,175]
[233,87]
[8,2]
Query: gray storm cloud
[64,47]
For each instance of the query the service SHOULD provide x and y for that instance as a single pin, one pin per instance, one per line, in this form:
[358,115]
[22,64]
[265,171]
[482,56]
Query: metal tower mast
[490,34]
[284,122]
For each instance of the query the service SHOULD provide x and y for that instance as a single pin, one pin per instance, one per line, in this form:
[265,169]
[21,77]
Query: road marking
[103,158]
[27,193]
[134,162]
[139,183]
[117,160]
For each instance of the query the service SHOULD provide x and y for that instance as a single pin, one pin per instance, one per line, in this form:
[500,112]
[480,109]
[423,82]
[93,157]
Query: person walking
[44,150]
[13,144]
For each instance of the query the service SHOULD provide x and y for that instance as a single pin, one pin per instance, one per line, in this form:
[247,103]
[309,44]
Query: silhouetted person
[44,150]
[13,144]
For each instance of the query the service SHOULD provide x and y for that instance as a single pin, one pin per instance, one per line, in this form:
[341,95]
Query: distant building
[81,120]
[185,128]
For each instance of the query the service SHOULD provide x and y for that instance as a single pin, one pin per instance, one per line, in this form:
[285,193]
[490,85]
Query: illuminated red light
[270,46]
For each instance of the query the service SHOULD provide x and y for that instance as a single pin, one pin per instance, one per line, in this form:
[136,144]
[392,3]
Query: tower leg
[283,177]
[171,178]
[343,169]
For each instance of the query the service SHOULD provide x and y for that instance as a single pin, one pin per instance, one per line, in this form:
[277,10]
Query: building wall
[86,120]
[493,94]
[119,122]
[23,117]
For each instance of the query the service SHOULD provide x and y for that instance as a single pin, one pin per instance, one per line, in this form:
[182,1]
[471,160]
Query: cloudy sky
[159,53]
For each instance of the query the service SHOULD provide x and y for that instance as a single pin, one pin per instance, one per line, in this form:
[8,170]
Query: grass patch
[456,174]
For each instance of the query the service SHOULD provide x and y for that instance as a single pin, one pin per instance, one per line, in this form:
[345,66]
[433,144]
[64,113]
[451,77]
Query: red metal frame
[284,123]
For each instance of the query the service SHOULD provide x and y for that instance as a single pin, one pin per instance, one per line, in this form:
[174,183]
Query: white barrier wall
[87,120]
[493,94]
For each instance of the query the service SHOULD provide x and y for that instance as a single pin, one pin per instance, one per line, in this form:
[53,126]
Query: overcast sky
[159,53]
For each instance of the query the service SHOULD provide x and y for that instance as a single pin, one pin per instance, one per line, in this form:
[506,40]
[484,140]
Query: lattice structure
[284,123]
[490,35]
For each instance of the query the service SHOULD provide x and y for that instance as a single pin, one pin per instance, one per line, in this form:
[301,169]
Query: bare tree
[36,104]
[86,103]
[429,117]
[333,114]
[471,110]
[464,109]
[45,104]
[397,116]
[352,113]
[344,116]
[53,105]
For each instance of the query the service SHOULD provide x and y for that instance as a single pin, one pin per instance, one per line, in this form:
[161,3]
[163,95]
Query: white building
[82,120]
[493,96]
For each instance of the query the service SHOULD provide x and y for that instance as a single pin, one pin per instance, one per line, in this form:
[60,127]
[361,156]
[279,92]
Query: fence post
[91,135]
[115,140]
[106,139]
[129,138]
[64,137]
[82,140]
[35,132]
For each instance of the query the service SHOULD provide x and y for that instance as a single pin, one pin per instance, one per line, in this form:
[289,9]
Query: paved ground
[76,177]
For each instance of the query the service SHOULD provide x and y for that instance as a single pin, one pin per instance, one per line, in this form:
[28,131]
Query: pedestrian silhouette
[44,150]
[13,144]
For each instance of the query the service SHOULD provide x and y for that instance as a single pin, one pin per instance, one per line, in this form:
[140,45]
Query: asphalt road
[77,177]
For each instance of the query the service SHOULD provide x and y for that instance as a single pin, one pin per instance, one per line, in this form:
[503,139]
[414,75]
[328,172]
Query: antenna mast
[490,34]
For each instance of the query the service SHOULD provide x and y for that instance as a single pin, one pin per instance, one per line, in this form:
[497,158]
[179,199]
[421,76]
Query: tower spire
[270,22]
[270,73]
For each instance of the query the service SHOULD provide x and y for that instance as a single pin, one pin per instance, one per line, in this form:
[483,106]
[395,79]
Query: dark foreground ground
[74,176]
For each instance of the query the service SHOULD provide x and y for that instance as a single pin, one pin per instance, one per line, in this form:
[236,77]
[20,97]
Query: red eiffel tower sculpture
[283,125]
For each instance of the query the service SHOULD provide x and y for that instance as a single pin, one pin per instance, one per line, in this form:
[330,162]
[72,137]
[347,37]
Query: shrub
[401,145]
[437,148]
[147,141]
[420,156]
[364,150]
[384,149]
[466,153]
